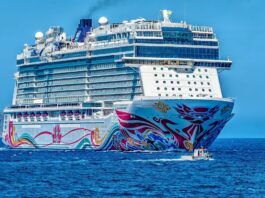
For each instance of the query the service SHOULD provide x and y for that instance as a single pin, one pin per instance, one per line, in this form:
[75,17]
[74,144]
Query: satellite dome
[39,35]
[103,21]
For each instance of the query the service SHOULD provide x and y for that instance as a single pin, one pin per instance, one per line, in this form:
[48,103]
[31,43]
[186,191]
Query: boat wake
[181,158]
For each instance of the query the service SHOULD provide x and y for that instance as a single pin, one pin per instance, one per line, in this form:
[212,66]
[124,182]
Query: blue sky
[239,24]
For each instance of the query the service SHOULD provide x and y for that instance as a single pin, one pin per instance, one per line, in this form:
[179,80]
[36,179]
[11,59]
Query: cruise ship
[137,85]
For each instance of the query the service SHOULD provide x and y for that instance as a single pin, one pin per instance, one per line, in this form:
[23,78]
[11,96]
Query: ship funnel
[83,28]
[166,15]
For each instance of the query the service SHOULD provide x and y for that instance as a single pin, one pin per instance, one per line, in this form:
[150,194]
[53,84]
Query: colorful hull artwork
[147,125]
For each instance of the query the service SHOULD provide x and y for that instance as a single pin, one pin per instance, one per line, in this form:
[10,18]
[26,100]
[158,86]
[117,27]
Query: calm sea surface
[238,170]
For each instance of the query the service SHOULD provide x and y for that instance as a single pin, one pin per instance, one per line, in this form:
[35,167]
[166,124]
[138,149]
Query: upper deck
[140,37]
[101,63]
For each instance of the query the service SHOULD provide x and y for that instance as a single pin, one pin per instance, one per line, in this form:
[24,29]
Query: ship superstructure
[136,85]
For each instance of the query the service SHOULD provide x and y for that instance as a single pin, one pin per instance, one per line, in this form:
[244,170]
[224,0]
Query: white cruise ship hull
[147,124]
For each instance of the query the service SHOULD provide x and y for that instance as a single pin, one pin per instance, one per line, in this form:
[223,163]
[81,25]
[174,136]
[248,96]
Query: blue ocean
[237,170]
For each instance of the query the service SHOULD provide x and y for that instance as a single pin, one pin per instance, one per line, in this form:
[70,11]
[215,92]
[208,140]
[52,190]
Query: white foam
[3,148]
[181,158]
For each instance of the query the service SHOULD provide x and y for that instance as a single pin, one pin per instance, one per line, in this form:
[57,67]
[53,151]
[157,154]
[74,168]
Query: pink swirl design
[131,125]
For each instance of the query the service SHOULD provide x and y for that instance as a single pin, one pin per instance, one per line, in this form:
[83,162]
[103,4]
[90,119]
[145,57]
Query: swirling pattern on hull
[134,132]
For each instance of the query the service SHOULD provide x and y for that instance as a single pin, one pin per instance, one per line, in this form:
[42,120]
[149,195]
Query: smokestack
[83,28]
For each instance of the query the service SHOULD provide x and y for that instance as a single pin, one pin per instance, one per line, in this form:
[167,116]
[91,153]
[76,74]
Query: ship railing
[177,62]
[181,25]
[108,30]
[73,47]
[201,29]
[104,44]
[148,26]
[137,61]
[59,118]
[184,97]
[128,26]
[45,106]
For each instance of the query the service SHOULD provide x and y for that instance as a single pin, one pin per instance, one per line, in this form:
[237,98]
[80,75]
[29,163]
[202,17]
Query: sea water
[237,170]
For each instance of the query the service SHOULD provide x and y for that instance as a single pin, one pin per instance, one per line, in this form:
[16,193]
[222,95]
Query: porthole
[154,68]
[190,89]
[157,81]
[171,82]
[205,70]
[199,70]
[173,88]
[158,88]
[196,89]
[210,90]
[177,75]
[201,83]
[177,82]
[207,77]
[179,89]
[187,76]
[170,75]
[164,82]
[208,83]
[161,68]
[203,90]
[200,76]
[163,75]
[155,75]
[189,82]
[195,83]
[193,76]
[165,88]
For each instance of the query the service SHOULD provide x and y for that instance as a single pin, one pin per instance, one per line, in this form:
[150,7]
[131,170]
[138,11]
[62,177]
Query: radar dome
[103,21]
[39,35]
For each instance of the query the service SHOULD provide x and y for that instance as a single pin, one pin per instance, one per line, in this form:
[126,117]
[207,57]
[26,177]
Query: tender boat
[201,154]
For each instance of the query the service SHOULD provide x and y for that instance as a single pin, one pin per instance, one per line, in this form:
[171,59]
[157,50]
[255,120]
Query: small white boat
[201,154]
